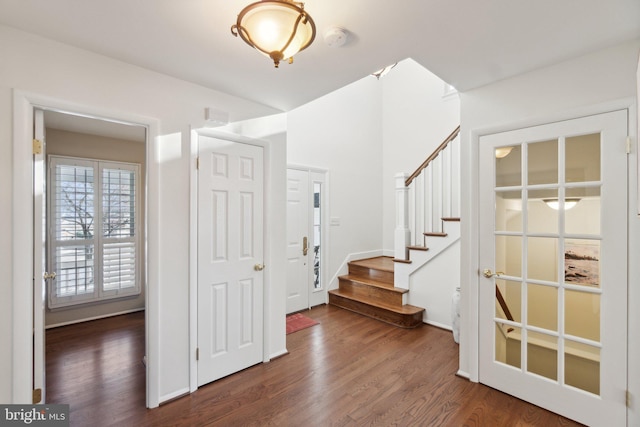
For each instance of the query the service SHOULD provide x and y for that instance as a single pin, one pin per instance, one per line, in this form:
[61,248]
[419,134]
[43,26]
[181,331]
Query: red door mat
[296,322]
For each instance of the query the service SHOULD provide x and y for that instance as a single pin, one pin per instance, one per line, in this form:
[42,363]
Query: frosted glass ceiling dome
[277,28]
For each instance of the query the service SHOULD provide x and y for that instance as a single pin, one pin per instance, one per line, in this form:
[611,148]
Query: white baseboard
[175,395]
[277,354]
[463,374]
[103,316]
[439,325]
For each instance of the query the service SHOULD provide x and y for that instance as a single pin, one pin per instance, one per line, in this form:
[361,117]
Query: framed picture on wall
[582,262]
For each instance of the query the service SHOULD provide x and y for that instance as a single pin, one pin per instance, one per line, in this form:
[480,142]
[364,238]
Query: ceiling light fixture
[568,203]
[383,71]
[277,28]
[502,152]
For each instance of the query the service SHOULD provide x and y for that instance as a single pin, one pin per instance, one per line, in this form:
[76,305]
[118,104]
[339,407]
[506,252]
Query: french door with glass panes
[553,266]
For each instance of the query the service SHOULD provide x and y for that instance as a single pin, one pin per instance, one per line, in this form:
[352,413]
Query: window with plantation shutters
[93,230]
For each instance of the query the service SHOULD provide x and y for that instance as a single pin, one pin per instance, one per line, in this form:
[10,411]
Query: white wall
[432,287]
[598,82]
[364,134]
[416,119]
[73,76]
[342,133]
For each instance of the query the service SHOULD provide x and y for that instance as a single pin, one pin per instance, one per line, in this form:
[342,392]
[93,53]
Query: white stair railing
[427,196]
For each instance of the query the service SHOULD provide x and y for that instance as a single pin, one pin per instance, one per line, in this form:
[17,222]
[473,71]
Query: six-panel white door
[553,266]
[230,257]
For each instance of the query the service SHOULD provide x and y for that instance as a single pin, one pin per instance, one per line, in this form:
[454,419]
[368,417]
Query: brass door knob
[489,274]
[258,267]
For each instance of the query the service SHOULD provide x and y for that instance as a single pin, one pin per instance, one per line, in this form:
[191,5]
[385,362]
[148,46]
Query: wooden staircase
[368,289]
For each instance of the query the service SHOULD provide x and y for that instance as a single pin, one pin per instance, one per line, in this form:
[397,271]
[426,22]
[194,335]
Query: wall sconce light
[502,152]
[568,203]
[277,28]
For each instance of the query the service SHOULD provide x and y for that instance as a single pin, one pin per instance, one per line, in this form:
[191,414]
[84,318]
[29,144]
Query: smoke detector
[335,36]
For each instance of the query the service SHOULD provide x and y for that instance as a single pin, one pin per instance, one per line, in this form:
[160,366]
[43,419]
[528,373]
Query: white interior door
[39,255]
[299,254]
[230,257]
[553,255]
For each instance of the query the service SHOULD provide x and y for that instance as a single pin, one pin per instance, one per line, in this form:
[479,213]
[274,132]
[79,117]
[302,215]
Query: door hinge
[628,145]
[628,399]
[37,395]
[198,353]
[37,146]
[197,163]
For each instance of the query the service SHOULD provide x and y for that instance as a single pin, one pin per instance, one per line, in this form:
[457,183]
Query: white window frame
[98,239]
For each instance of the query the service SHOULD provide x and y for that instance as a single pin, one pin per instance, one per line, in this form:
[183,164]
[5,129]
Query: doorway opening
[91,251]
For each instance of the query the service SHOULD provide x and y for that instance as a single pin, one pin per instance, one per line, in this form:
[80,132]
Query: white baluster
[402,235]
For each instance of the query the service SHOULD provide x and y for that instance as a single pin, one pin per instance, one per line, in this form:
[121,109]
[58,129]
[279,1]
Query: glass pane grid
[533,244]
[317,232]
[74,203]
[542,354]
[118,203]
[75,270]
[507,344]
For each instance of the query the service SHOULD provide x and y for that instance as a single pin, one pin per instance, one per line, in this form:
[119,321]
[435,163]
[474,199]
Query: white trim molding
[22,238]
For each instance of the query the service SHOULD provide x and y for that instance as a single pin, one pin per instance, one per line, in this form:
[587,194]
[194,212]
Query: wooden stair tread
[373,282]
[436,234]
[417,248]
[451,219]
[382,263]
[404,309]
[368,289]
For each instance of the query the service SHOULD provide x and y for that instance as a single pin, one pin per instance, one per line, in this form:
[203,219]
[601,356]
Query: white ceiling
[467,43]
[71,122]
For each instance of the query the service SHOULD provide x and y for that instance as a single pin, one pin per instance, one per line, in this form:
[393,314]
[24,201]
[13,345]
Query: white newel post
[402,236]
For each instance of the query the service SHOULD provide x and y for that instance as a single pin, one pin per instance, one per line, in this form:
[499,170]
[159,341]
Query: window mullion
[99,232]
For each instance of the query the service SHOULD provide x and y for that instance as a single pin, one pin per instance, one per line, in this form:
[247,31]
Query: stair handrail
[433,155]
[503,304]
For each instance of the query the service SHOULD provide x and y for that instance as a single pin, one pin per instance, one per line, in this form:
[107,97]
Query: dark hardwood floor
[349,370]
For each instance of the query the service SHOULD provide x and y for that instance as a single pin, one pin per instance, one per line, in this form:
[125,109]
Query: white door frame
[39,251]
[193,245]
[22,239]
[320,296]
[470,260]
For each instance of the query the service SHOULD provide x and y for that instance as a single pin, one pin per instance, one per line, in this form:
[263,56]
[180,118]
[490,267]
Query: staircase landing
[368,290]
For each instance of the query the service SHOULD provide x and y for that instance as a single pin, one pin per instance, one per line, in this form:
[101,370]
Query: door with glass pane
[298,239]
[305,231]
[553,263]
